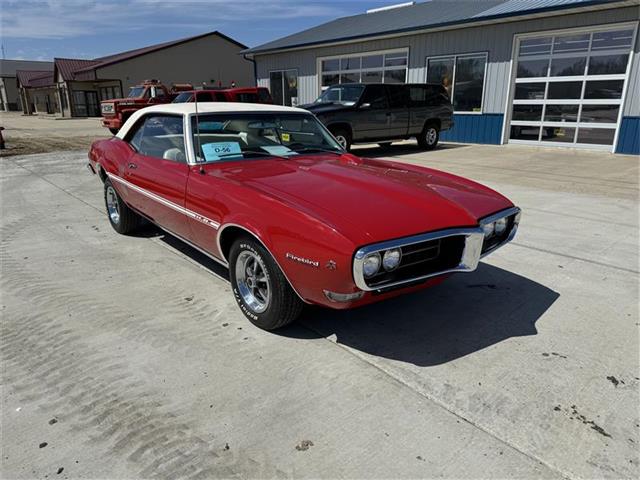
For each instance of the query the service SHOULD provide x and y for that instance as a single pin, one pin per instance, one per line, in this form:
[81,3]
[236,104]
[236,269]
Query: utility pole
[2,51]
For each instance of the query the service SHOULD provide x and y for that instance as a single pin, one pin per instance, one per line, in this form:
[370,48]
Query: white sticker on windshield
[218,150]
[278,150]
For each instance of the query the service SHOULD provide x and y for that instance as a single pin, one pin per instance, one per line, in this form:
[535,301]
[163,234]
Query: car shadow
[399,149]
[465,314]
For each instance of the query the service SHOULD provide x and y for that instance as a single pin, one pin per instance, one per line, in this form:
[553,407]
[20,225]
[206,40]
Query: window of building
[107,93]
[462,76]
[284,87]
[568,87]
[372,67]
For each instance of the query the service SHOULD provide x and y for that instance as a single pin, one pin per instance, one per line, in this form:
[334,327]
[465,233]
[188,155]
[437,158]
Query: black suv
[365,113]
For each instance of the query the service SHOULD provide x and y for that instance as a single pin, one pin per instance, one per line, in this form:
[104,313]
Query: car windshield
[239,136]
[344,94]
[183,97]
[136,92]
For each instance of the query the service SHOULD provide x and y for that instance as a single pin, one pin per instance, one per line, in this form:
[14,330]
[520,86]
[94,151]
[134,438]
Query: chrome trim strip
[474,238]
[503,213]
[185,211]
[195,247]
[265,247]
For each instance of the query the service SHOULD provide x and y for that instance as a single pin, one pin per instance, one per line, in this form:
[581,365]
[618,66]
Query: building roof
[421,16]
[34,78]
[68,66]
[205,107]
[77,69]
[8,68]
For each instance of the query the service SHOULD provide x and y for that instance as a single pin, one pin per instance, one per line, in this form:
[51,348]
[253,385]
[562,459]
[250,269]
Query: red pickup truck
[236,94]
[116,111]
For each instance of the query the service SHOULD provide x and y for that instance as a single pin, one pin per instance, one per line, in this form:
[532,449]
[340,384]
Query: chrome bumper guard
[471,253]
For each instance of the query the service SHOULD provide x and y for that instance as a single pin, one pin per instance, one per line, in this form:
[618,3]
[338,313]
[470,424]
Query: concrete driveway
[126,357]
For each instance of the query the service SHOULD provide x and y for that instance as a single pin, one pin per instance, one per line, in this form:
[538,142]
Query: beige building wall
[208,59]
[10,94]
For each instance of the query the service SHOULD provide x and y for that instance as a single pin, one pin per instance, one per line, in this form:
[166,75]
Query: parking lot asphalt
[126,357]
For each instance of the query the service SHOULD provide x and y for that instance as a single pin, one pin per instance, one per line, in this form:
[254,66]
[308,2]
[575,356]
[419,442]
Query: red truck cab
[235,94]
[116,111]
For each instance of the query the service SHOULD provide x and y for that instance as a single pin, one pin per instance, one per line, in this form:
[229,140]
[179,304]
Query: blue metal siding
[486,128]
[629,136]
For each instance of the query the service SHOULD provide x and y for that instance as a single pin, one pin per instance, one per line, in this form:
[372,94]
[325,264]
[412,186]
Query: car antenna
[199,149]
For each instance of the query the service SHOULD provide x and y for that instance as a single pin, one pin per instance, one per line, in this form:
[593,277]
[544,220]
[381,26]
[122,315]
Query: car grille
[422,259]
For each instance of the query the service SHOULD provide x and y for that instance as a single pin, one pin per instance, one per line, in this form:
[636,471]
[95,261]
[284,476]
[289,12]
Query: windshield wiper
[254,152]
[318,149]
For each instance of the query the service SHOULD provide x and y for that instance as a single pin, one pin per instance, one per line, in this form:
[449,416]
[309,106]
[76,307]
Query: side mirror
[365,105]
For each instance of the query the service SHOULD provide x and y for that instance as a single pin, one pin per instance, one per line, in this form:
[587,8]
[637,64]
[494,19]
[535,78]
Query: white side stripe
[165,202]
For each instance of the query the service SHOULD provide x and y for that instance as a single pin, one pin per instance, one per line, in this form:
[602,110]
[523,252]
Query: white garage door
[568,87]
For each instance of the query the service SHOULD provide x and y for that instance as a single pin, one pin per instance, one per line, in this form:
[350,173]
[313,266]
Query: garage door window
[381,67]
[463,77]
[568,88]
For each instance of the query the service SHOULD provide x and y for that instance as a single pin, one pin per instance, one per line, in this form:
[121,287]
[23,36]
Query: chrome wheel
[431,135]
[253,282]
[342,140]
[113,207]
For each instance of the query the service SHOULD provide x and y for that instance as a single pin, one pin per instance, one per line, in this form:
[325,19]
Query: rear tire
[343,136]
[259,286]
[121,217]
[428,138]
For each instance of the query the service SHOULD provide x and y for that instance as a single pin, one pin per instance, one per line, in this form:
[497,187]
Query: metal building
[77,86]
[548,72]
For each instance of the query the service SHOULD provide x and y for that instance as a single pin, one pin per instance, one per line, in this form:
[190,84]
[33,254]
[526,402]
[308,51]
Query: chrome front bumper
[471,253]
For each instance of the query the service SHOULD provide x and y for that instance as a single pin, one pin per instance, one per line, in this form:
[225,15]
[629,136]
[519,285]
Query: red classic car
[267,191]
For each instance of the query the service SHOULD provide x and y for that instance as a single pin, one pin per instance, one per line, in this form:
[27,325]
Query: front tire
[259,286]
[121,217]
[343,136]
[428,138]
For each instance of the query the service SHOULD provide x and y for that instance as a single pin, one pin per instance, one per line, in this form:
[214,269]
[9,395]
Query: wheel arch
[433,120]
[101,173]
[340,124]
[230,232]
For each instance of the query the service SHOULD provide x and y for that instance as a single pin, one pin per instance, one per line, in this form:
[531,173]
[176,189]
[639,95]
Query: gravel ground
[40,134]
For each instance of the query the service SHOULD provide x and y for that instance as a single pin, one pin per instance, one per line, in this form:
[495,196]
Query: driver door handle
[132,166]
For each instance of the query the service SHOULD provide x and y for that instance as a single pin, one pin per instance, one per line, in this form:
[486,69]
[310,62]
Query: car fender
[311,256]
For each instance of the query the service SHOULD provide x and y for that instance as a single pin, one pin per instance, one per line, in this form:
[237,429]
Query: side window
[205,97]
[160,136]
[398,96]
[220,97]
[375,95]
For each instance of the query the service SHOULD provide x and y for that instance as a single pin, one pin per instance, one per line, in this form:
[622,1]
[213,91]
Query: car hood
[324,108]
[373,200]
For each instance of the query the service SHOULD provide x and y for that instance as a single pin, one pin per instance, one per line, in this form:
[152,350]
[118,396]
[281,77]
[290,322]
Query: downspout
[255,68]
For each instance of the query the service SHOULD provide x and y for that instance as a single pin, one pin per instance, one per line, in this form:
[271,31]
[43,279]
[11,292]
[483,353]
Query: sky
[44,29]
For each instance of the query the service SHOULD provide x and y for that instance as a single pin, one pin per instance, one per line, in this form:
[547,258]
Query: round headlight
[501,226]
[488,229]
[391,259]
[371,264]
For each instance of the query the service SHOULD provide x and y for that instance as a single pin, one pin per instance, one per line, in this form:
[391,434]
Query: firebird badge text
[306,261]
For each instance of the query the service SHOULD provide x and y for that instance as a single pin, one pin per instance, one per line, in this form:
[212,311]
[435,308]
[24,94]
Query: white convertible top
[204,107]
